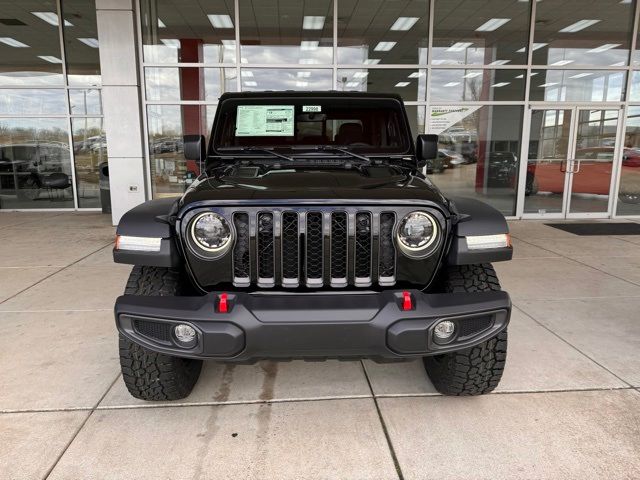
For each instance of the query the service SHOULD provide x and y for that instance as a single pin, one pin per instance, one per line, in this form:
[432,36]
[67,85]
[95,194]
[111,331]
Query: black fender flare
[475,217]
[150,219]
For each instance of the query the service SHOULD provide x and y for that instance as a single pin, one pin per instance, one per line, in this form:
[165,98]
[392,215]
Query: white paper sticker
[264,121]
[441,118]
[311,108]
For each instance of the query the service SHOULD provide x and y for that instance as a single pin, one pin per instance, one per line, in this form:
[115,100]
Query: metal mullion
[34,115]
[63,58]
[616,167]
[236,19]
[481,104]
[335,45]
[33,87]
[298,66]
[427,114]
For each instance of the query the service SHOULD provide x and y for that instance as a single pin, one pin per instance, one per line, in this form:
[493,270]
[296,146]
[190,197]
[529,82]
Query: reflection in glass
[416,115]
[256,79]
[478,152]
[547,163]
[85,101]
[167,124]
[283,31]
[629,191]
[474,32]
[576,33]
[32,102]
[593,161]
[90,152]
[31,53]
[577,86]
[410,84]
[383,32]
[476,85]
[81,43]
[188,83]
[35,164]
[188,34]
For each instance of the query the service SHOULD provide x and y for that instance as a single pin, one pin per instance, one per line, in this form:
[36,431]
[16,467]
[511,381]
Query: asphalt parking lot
[568,405]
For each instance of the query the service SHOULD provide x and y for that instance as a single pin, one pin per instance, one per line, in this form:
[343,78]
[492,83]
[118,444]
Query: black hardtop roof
[312,94]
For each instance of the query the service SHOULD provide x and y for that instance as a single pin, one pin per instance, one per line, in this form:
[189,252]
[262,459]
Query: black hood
[369,183]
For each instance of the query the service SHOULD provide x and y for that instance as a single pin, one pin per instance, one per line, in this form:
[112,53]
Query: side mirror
[426,148]
[194,148]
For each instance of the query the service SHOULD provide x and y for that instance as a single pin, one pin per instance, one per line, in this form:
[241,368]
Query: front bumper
[316,325]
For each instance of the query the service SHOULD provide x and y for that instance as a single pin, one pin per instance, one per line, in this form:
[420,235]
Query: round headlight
[416,232]
[211,232]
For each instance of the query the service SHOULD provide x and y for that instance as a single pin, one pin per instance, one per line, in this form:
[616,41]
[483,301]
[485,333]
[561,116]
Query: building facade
[537,104]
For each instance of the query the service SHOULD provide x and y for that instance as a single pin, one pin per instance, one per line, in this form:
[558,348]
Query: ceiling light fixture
[472,75]
[459,46]
[250,84]
[402,84]
[50,58]
[384,46]
[351,84]
[451,84]
[604,48]
[500,84]
[51,18]
[360,74]
[581,75]
[246,73]
[499,62]
[12,42]
[312,23]
[550,84]
[560,63]
[220,21]
[90,42]
[161,24]
[301,83]
[493,24]
[535,47]
[309,44]
[372,61]
[580,25]
[404,23]
[416,74]
[171,42]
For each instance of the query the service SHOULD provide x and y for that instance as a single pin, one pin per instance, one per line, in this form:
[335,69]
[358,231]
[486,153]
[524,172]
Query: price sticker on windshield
[311,108]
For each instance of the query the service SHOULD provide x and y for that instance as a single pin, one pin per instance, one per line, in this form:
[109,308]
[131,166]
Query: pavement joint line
[34,266]
[385,430]
[59,310]
[571,345]
[79,429]
[52,274]
[510,392]
[11,225]
[586,265]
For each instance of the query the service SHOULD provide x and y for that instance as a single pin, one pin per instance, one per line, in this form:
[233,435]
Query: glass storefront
[485,78]
[52,141]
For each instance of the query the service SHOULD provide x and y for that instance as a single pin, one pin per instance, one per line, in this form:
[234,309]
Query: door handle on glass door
[577,169]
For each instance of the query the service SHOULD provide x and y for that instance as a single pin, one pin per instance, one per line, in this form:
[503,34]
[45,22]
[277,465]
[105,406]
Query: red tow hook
[223,303]
[407,304]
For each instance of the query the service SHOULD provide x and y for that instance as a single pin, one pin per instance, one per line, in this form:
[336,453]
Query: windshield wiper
[257,149]
[331,148]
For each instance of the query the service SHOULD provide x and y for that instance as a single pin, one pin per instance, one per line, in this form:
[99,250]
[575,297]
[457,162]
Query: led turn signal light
[223,303]
[407,303]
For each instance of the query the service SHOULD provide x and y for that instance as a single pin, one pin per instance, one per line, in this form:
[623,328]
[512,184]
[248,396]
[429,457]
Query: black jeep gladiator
[311,233]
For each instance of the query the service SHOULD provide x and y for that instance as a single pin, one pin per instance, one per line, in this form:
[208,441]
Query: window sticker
[311,108]
[264,121]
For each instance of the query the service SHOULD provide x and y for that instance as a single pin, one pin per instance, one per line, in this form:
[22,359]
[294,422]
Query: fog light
[444,330]
[185,334]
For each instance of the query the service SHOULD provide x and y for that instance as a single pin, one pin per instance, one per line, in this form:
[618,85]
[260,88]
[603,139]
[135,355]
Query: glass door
[571,153]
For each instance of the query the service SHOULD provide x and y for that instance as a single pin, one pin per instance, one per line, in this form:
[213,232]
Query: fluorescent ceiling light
[416,74]
[384,46]
[228,43]
[309,44]
[493,24]
[402,84]
[550,84]
[51,18]
[499,62]
[560,63]
[250,84]
[312,23]
[300,83]
[360,74]
[500,84]
[303,74]
[604,48]
[451,84]
[535,47]
[246,73]
[50,58]
[618,64]
[352,84]
[307,61]
[404,23]
[472,74]
[581,75]
[171,42]
[243,60]
[372,61]
[220,21]
[90,42]
[519,76]
[580,25]
[625,2]
[161,24]
[459,46]
[12,42]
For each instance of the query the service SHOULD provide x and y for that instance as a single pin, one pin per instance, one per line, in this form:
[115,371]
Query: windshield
[367,125]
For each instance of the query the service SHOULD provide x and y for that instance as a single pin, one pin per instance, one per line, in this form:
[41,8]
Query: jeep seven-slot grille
[314,248]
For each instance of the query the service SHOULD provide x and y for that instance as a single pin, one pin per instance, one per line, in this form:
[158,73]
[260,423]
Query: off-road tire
[149,375]
[475,370]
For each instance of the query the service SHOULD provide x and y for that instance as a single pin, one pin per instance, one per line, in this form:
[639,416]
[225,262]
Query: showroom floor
[568,405]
